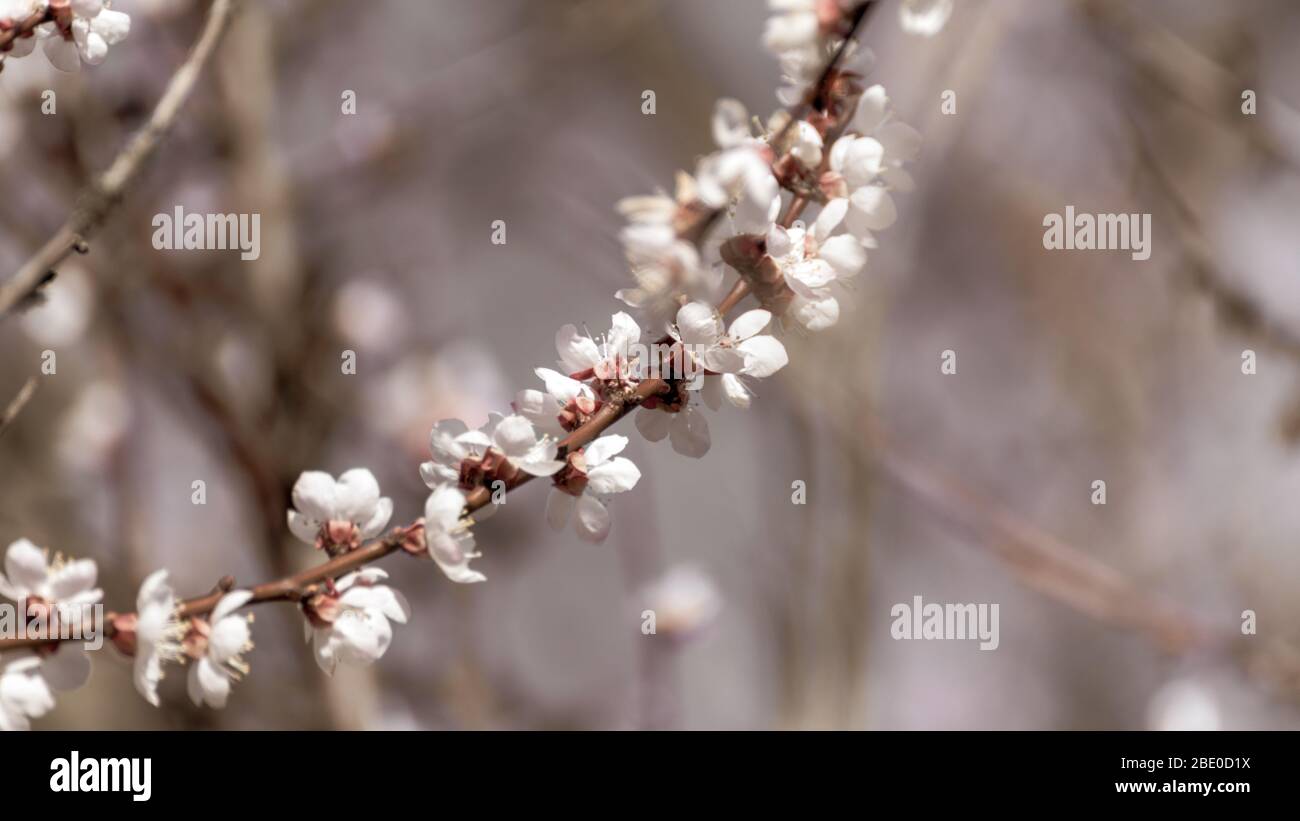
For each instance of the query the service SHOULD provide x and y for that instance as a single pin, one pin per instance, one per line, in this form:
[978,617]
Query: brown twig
[25,27]
[17,404]
[99,198]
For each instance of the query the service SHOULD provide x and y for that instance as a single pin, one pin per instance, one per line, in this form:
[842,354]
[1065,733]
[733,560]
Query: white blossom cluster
[844,159]
[78,31]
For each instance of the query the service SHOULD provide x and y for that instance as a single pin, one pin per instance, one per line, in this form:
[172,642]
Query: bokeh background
[973,487]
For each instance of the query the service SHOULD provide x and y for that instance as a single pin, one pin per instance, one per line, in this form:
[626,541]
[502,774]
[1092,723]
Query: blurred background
[973,487]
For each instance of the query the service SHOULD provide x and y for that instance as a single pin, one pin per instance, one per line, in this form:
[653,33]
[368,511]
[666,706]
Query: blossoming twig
[676,256]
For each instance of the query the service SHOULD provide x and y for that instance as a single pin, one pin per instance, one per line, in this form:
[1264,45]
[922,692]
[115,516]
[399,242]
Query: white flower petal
[559,505]
[378,520]
[736,392]
[873,210]
[577,352]
[615,476]
[68,668]
[689,433]
[604,448]
[730,123]
[748,324]
[229,603]
[313,495]
[592,522]
[845,254]
[653,423]
[442,509]
[25,570]
[764,356]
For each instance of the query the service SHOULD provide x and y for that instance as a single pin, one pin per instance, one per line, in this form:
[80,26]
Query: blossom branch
[804,150]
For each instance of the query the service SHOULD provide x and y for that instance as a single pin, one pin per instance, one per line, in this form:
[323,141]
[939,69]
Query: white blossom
[589,478]
[449,540]
[924,17]
[457,451]
[56,594]
[815,265]
[868,162]
[741,174]
[664,266]
[158,633]
[217,646]
[563,406]
[338,515]
[731,353]
[86,37]
[350,624]
[680,421]
[24,693]
[605,358]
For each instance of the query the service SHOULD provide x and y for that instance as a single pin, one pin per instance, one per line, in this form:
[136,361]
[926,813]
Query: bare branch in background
[98,199]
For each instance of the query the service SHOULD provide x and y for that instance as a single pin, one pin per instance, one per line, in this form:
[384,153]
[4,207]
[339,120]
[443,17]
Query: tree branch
[99,198]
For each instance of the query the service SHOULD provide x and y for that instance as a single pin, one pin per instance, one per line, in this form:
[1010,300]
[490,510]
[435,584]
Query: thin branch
[16,405]
[99,198]
[25,27]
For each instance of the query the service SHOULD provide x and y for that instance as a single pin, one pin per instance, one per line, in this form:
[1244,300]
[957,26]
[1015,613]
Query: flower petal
[845,254]
[592,522]
[749,323]
[313,495]
[442,509]
[601,450]
[577,352]
[653,423]
[615,476]
[764,356]
[378,520]
[559,505]
[689,433]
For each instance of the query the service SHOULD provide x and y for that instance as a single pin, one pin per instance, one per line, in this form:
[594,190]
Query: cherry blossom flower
[604,359]
[741,350]
[496,452]
[349,622]
[55,595]
[448,540]
[338,515]
[924,17]
[589,477]
[751,160]
[153,634]
[24,693]
[664,265]
[82,33]
[867,164]
[217,646]
[677,419]
[815,265]
[804,34]
[563,406]
[731,350]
